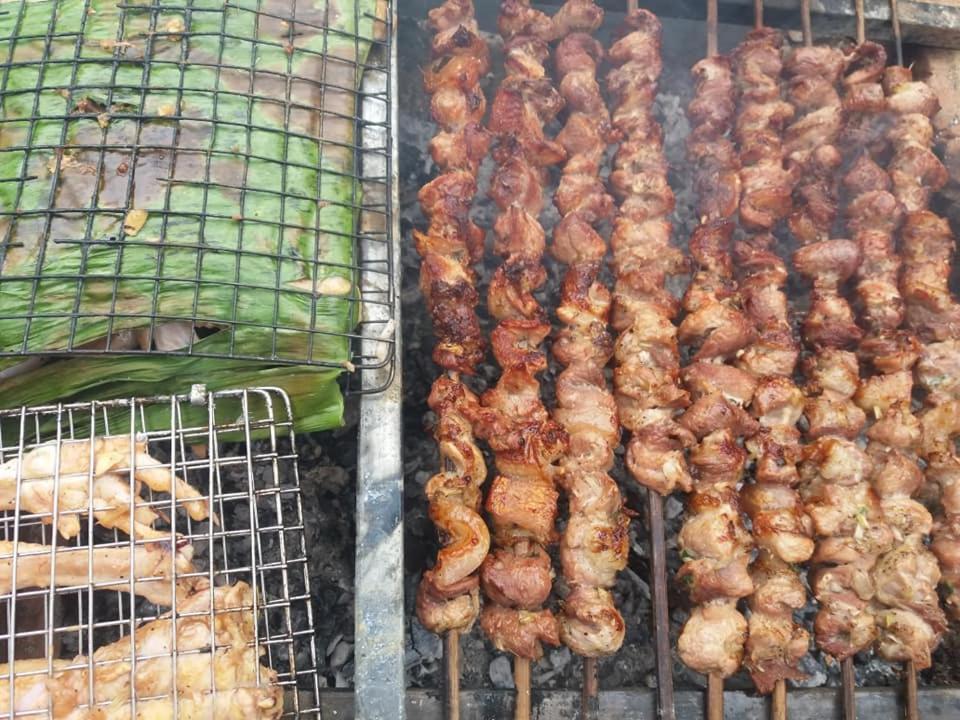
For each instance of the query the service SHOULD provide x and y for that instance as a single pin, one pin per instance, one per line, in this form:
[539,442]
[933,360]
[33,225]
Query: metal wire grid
[161,115]
[238,449]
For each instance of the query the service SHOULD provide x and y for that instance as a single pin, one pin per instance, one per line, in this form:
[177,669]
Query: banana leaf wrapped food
[178,185]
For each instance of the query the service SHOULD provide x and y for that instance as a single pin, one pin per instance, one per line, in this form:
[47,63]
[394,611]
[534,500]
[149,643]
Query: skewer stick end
[590,700]
[861,22]
[521,678]
[714,697]
[913,704]
[849,684]
[712,22]
[451,654]
[778,702]
[806,22]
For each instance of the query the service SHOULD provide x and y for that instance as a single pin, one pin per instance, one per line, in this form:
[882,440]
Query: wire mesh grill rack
[88,611]
[186,176]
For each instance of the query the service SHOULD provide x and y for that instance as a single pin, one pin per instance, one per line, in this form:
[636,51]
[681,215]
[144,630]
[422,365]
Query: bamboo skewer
[913,709]
[712,22]
[590,699]
[451,654]
[778,702]
[661,614]
[658,571]
[658,552]
[910,671]
[897,36]
[451,642]
[658,556]
[848,677]
[778,699]
[861,22]
[806,22]
[521,678]
[715,682]
[849,685]
[714,697]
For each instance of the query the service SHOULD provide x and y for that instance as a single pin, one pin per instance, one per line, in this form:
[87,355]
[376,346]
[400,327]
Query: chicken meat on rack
[61,475]
[798,118]
[158,568]
[211,668]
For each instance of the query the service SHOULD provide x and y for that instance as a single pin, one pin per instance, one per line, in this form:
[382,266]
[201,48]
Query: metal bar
[806,22]
[638,703]
[379,679]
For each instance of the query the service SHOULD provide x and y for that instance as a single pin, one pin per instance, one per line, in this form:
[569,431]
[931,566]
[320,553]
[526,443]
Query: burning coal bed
[328,461]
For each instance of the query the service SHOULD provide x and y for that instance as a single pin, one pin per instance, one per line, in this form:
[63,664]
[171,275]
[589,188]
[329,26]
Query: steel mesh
[238,449]
[195,165]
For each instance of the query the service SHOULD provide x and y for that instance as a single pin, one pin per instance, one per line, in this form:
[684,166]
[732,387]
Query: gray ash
[328,465]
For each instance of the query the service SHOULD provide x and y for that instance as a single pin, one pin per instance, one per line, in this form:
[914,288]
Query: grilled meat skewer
[527,443]
[647,374]
[595,543]
[714,543]
[909,613]
[448,597]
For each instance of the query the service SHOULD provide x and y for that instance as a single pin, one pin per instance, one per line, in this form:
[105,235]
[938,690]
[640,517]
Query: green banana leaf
[314,394]
[186,189]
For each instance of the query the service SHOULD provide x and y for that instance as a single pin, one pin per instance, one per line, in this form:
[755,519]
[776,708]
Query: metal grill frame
[373,258]
[239,476]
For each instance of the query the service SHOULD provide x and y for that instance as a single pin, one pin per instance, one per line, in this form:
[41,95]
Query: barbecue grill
[237,447]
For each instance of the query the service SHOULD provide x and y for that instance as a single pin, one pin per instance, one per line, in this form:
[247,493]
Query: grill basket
[237,449]
[160,195]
